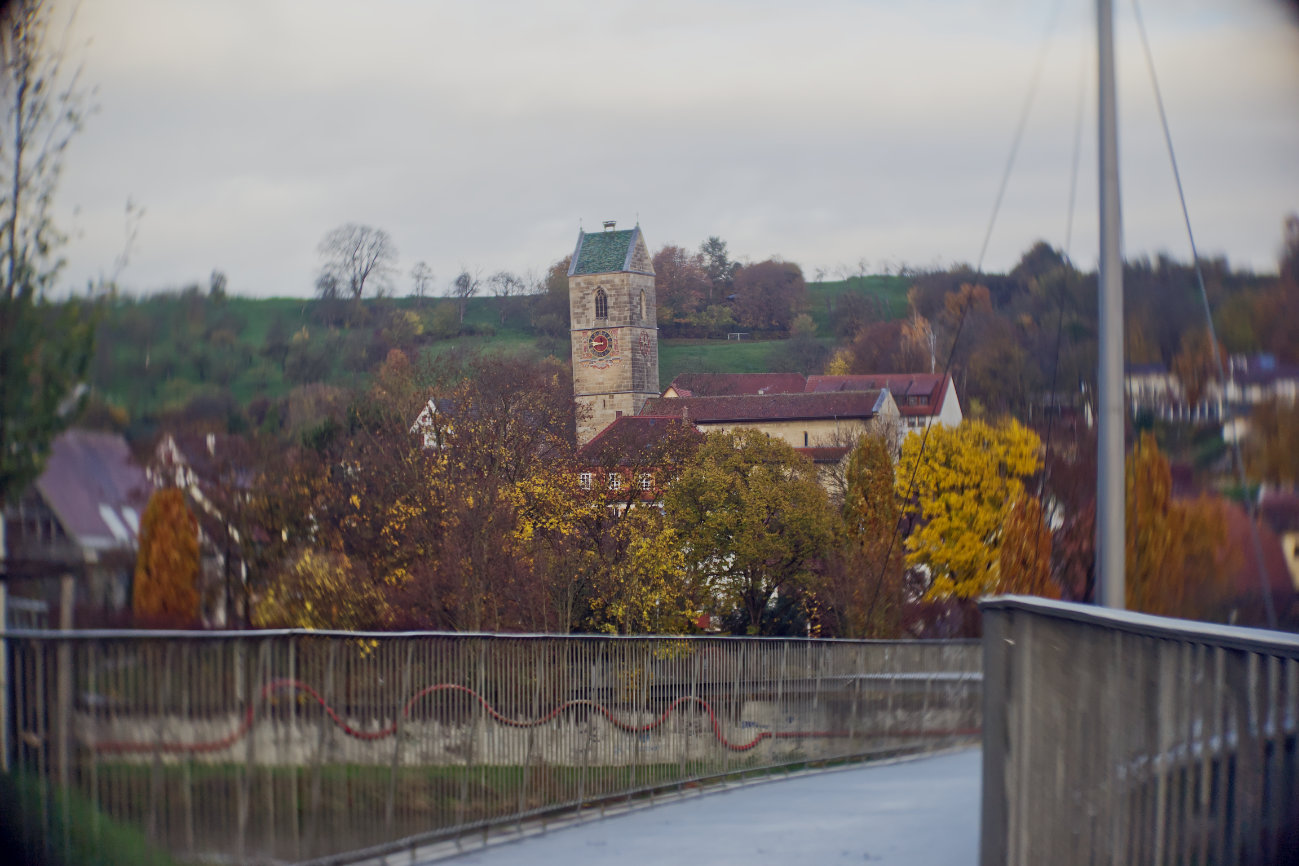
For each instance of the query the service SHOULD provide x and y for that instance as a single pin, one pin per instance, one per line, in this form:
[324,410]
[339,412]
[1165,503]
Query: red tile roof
[932,387]
[629,435]
[770,407]
[730,384]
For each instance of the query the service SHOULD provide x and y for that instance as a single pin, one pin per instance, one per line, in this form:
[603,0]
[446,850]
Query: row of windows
[602,305]
[615,480]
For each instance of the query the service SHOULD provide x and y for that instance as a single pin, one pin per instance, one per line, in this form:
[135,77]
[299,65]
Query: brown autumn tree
[877,348]
[1177,559]
[1276,309]
[769,295]
[1272,445]
[863,588]
[680,283]
[1025,559]
[166,568]
[1195,366]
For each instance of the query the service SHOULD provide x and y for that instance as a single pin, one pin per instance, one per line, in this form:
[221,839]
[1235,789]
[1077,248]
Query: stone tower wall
[620,380]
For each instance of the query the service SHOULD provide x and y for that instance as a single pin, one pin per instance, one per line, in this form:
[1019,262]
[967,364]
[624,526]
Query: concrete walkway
[916,812]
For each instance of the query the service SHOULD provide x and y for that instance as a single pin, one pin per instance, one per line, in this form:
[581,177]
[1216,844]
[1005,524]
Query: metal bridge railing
[1114,738]
[297,746]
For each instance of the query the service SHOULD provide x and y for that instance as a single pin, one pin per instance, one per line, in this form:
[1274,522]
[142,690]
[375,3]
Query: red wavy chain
[276,685]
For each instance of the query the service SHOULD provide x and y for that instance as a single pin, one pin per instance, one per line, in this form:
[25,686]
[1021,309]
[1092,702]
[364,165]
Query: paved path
[918,812]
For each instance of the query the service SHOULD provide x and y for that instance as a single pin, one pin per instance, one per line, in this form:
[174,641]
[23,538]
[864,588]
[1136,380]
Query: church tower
[615,331]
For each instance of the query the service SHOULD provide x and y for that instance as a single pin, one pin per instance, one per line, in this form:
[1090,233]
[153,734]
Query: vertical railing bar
[273,730]
[1252,743]
[94,714]
[249,709]
[1220,755]
[7,708]
[187,759]
[293,772]
[330,698]
[1164,708]
[1112,755]
[390,814]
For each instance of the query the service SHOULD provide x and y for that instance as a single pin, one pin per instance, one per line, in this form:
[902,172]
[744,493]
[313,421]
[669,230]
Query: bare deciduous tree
[506,286]
[464,287]
[421,277]
[353,256]
[45,350]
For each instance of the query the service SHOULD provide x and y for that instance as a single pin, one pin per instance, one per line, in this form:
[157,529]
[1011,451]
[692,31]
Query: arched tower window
[601,304]
[642,305]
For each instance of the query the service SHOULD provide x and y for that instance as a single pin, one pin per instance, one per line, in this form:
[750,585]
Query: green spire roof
[603,252]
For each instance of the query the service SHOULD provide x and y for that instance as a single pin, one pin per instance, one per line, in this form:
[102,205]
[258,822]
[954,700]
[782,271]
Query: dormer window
[601,304]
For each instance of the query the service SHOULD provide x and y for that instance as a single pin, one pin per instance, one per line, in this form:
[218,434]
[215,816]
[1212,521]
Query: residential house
[627,458]
[732,384]
[432,425]
[802,420]
[81,517]
[922,399]
[213,471]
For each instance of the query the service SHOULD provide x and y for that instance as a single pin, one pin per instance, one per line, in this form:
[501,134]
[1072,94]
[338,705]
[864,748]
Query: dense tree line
[495,528]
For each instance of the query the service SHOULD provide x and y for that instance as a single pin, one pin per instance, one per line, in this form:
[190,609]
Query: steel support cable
[1068,246]
[1250,511]
[1016,140]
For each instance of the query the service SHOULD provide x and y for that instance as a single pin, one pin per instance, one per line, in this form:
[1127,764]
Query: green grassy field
[164,353]
[892,291]
[712,356]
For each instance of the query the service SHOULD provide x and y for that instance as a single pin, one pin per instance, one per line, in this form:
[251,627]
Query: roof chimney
[609,224]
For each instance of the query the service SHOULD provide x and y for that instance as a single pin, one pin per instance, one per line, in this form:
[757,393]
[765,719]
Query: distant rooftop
[729,384]
[767,407]
[631,435]
[95,488]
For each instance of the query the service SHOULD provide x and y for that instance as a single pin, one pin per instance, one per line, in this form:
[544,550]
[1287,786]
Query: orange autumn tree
[1024,562]
[166,568]
[1178,562]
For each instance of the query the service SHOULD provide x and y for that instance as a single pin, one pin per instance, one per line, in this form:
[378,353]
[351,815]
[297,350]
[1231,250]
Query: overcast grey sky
[479,134]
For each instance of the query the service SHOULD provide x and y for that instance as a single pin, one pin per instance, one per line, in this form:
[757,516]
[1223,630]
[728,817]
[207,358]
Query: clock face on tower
[601,344]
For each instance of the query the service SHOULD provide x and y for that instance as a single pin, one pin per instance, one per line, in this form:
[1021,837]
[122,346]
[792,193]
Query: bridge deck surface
[919,812]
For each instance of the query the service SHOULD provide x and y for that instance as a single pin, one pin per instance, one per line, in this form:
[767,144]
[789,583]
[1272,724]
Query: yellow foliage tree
[645,590]
[166,568]
[320,590]
[754,520]
[840,363]
[964,486]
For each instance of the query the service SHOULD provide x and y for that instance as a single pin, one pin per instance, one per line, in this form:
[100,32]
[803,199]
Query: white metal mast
[1110,546]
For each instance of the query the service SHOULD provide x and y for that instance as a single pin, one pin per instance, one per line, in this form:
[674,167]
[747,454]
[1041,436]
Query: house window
[615,481]
[584,480]
[642,305]
[601,304]
[646,481]
[804,438]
